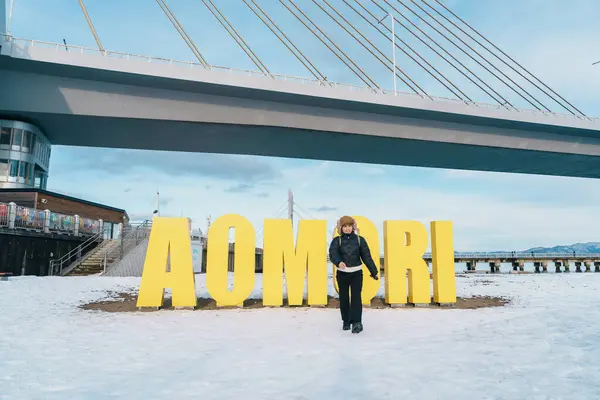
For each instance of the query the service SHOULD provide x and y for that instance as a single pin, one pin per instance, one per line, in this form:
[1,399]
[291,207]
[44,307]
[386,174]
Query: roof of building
[65,197]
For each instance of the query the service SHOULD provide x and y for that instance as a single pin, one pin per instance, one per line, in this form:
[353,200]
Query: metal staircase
[97,254]
[73,258]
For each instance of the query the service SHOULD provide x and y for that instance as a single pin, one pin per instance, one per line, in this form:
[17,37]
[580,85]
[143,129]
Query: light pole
[393,20]
[10,13]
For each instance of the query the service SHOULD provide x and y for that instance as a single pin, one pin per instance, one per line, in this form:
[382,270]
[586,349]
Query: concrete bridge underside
[93,107]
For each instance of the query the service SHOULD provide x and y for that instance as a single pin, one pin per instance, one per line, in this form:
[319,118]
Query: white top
[351,269]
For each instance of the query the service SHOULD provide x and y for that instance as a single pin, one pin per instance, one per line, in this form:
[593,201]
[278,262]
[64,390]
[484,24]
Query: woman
[348,252]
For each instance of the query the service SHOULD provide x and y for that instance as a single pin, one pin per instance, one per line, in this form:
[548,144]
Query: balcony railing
[17,217]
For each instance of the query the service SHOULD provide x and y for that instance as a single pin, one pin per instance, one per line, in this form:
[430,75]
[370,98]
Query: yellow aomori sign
[168,262]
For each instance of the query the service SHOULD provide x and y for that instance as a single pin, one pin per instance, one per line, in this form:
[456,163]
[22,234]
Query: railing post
[46,221]
[76,227]
[12,215]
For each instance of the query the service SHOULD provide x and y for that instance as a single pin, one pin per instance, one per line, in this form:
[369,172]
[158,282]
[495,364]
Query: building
[38,226]
[39,200]
[24,156]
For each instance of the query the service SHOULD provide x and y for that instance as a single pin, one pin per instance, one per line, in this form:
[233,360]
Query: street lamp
[597,62]
[10,14]
[393,46]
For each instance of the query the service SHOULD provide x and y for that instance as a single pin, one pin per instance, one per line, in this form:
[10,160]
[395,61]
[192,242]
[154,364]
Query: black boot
[357,327]
[346,326]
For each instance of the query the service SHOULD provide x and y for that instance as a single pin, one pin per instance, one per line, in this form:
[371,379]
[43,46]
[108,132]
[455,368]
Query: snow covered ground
[545,345]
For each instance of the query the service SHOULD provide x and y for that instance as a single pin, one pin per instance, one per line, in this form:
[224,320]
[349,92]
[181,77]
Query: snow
[544,345]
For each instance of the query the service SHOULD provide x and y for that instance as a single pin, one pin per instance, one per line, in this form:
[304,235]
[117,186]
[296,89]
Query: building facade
[24,156]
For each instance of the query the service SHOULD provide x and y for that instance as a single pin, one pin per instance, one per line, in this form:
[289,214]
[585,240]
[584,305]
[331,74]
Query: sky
[556,40]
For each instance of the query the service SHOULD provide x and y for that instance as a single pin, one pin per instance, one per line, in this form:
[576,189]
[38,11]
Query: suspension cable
[364,77]
[237,37]
[396,44]
[387,65]
[179,28]
[448,53]
[502,52]
[301,57]
[476,52]
[90,24]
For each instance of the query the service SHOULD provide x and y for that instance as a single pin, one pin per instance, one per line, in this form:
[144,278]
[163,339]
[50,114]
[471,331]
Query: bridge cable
[179,28]
[389,61]
[238,38]
[502,52]
[476,52]
[297,206]
[301,57]
[418,55]
[370,85]
[424,60]
[401,49]
[91,25]
[506,102]
[382,33]
[448,61]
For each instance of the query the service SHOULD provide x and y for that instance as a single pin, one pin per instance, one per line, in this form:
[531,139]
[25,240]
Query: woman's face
[347,229]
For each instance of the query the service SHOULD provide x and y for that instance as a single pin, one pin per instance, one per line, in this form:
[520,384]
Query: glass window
[26,139]
[17,135]
[13,168]
[5,136]
[33,144]
[3,170]
[38,180]
[28,173]
[22,169]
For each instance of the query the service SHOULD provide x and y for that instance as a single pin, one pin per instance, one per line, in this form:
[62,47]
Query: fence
[17,217]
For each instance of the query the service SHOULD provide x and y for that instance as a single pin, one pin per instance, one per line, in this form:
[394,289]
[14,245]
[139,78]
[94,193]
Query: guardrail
[76,255]
[301,80]
[132,235]
[13,216]
[517,256]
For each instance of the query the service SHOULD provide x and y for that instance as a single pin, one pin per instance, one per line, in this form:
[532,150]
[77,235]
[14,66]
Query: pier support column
[518,266]
[588,265]
[557,265]
[471,265]
[577,266]
[495,267]
[597,266]
[545,267]
[537,266]
[567,266]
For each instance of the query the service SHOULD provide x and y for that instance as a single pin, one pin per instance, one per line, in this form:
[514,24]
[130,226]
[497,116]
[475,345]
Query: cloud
[239,188]
[172,164]
[262,194]
[323,209]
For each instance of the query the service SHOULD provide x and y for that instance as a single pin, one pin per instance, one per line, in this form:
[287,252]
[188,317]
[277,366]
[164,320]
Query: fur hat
[346,220]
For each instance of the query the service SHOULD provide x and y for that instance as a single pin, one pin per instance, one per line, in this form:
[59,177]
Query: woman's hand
[342,265]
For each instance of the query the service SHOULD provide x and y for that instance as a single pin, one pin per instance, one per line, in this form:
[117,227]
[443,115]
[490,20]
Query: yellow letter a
[169,243]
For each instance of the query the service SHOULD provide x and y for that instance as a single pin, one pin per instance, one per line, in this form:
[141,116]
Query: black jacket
[351,252]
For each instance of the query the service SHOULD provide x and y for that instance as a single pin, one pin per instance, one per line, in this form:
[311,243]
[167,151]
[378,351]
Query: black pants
[350,286]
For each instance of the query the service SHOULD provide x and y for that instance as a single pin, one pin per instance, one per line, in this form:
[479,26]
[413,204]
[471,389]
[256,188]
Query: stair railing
[75,255]
[132,235]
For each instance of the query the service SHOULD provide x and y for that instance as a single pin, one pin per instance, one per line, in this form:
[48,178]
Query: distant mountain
[580,248]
